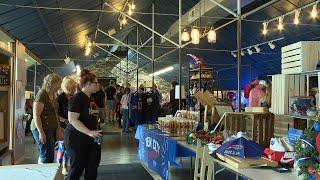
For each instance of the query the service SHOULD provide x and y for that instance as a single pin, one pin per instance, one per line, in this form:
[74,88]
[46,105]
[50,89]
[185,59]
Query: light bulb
[242,53]
[258,50]
[133,6]
[195,36]
[265,28]
[185,36]
[124,21]
[271,45]
[249,51]
[212,36]
[296,17]
[88,50]
[234,54]
[314,12]
[280,25]
[130,12]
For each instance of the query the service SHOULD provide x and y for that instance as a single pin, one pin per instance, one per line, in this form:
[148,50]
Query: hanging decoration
[195,35]
[185,36]
[212,36]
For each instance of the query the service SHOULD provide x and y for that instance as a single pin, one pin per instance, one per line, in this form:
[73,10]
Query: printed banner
[156,150]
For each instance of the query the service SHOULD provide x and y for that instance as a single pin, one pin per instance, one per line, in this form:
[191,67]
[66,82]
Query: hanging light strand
[256,47]
[296,20]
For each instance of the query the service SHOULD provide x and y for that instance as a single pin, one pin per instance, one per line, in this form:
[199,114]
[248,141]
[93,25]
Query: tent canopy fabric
[59,28]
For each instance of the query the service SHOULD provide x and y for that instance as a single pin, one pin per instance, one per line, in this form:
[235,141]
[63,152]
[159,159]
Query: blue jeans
[46,151]
[125,118]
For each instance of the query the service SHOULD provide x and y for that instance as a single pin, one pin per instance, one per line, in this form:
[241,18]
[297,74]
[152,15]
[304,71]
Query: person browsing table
[82,131]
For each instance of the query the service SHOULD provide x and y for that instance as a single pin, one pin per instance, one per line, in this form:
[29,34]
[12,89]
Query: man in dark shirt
[110,102]
[99,98]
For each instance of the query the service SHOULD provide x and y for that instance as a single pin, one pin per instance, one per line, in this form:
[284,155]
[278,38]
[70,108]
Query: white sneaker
[276,145]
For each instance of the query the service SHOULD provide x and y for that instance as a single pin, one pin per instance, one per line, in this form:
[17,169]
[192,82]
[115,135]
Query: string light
[185,36]
[132,6]
[296,16]
[265,28]
[280,25]
[124,21]
[234,54]
[314,12]
[212,36]
[130,12]
[271,45]
[258,50]
[87,46]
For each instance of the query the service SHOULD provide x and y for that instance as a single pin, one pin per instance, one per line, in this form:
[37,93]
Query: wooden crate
[300,57]
[283,87]
[258,126]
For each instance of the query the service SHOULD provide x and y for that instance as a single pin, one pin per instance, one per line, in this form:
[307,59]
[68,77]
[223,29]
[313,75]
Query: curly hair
[68,85]
[50,80]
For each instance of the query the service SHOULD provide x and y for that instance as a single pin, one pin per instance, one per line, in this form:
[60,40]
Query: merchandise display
[176,125]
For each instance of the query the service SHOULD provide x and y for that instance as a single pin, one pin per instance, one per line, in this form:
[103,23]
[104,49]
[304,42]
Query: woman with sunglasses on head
[82,131]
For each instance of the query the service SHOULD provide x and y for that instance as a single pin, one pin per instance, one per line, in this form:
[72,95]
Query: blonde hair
[68,85]
[50,80]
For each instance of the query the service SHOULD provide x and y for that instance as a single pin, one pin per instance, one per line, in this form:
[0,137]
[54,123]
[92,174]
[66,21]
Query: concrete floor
[117,148]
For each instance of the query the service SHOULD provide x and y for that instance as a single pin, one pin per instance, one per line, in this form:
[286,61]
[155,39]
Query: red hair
[85,77]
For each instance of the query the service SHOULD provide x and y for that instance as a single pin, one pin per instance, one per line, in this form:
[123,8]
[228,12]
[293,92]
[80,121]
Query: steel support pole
[35,80]
[137,55]
[127,73]
[153,2]
[180,65]
[239,54]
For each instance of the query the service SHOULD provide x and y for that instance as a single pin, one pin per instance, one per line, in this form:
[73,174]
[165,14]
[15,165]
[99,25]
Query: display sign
[4,75]
[157,151]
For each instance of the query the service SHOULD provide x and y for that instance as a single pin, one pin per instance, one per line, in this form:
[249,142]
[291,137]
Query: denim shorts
[46,151]
[110,104]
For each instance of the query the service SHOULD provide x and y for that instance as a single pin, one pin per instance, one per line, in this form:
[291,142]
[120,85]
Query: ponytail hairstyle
[85,77]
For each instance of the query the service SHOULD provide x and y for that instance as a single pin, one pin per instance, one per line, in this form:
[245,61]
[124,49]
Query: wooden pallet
[238,162]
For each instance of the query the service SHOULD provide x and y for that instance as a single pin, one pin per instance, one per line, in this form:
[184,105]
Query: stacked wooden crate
[258,126]
[283,87]
[300,57]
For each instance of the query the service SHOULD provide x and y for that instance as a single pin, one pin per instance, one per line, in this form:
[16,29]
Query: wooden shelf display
[206,73]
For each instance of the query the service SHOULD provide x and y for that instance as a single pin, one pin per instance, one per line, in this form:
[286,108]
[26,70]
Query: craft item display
[176,125]
[205,136]
[193,115]
[300,105]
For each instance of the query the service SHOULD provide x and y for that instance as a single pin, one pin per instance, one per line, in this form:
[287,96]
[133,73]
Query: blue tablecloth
[158,151]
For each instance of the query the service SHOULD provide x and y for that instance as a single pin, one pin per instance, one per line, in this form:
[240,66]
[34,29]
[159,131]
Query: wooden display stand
[259,126]
[212,105]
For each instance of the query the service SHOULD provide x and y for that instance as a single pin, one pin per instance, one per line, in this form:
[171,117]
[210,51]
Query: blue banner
[156,150]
